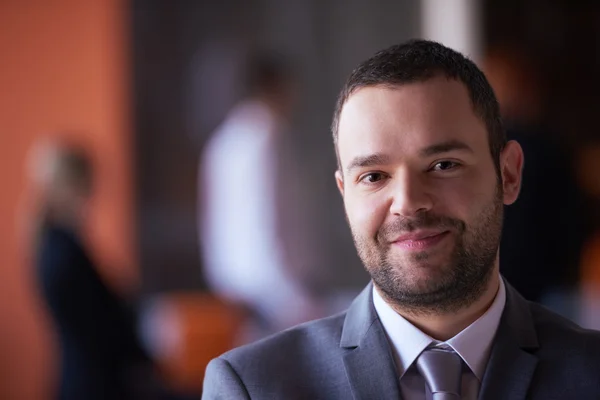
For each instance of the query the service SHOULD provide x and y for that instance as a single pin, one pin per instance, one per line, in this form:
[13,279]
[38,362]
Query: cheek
[366,213]
[461,200]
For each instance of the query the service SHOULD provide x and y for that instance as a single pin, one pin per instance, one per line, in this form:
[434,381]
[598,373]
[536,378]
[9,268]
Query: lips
[420,240]
[418,235]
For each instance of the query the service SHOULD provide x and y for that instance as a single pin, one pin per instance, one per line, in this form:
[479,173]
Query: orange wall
[63,65]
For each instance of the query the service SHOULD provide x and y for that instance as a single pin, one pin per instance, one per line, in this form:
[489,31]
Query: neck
[68,219]
[445,326]
[275,104]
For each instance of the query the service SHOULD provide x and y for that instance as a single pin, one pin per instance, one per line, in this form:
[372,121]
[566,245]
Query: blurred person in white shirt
[244,258]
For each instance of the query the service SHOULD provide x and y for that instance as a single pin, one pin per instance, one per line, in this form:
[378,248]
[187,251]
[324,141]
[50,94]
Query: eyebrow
[444,147]
[367,161]
[380,159]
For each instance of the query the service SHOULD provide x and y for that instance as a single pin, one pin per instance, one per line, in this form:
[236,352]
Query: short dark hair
[418,61]
[267,70]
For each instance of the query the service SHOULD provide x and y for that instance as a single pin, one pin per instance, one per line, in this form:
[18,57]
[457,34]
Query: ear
[511,167]
[339,179]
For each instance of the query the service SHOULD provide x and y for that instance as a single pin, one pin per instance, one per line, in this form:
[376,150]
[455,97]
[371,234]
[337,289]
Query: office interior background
[144,84]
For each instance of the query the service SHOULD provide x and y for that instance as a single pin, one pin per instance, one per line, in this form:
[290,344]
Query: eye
[372,177]
[445,166]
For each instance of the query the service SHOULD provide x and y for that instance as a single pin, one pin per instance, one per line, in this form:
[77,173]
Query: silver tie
[442,371]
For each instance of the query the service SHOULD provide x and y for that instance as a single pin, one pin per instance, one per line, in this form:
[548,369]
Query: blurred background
[202,129]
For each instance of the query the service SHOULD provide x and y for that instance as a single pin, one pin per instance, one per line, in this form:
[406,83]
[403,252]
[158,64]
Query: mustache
[404,225]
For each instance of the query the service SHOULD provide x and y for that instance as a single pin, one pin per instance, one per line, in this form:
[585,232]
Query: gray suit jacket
[536,355]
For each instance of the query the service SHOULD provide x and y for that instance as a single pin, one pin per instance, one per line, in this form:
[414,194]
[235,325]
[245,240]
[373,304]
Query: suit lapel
[509,371]
[372,374]
[511,365]
[369,362]
[370,368]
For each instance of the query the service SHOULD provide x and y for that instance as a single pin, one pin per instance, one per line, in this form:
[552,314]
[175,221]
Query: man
[424,170]
[245,260]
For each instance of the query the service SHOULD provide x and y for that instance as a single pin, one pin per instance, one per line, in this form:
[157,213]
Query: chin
[421,274]
[423,264]
[425,280]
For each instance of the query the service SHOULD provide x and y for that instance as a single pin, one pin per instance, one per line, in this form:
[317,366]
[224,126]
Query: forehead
[406,118]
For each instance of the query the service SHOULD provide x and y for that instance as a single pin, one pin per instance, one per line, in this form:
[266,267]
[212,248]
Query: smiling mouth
[420,242]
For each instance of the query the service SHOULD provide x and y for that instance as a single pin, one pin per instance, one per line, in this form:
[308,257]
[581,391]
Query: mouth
[420,240]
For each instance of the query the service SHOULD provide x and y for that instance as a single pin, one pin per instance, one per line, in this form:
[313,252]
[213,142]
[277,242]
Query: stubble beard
[457,284]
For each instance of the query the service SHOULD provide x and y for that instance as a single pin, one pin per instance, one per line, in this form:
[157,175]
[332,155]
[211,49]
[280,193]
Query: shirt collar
[473,343]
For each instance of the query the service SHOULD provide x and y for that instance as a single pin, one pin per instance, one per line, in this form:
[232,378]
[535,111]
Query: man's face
[421,193]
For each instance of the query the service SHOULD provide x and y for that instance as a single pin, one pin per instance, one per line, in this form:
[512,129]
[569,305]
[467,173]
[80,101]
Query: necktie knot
[442,371]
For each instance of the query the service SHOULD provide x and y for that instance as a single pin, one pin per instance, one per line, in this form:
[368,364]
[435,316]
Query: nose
[409,195]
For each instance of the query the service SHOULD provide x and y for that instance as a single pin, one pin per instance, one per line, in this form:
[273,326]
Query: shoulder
[59,248]
[307,338]
[52,235]
[568,356]
[305,353]
[241,137]
[559,337]
[550,325]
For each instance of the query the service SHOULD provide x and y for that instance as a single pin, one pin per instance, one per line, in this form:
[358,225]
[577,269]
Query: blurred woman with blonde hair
[96,335]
